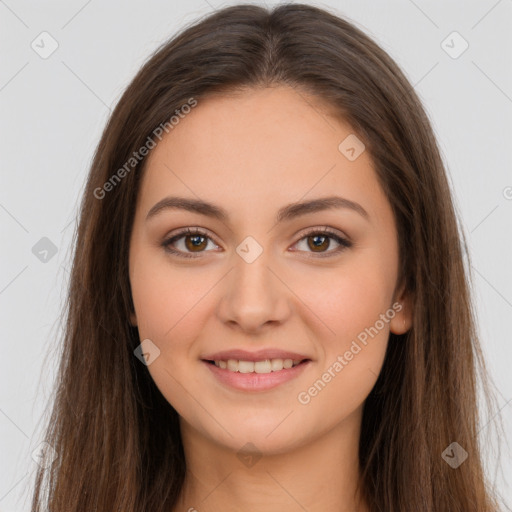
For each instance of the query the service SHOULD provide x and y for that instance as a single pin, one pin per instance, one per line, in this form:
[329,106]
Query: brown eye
[194,241]
[318,243]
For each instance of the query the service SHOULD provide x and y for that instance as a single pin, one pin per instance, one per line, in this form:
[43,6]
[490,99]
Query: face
[264,280]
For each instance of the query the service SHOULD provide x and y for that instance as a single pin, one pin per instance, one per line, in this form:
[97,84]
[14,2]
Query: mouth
[255,376]
[261,366]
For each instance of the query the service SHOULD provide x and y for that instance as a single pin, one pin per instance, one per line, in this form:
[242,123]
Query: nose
[254,296]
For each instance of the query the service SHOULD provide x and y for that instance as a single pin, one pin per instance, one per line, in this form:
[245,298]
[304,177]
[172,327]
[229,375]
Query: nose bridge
[254,295]
[252,276]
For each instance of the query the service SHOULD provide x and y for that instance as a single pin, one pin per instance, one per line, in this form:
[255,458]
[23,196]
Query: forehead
[256,149]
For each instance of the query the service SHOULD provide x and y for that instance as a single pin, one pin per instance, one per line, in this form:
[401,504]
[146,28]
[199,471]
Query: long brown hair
[116,438]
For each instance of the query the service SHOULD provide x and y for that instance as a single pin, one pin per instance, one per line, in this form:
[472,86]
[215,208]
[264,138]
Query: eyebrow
[286,213]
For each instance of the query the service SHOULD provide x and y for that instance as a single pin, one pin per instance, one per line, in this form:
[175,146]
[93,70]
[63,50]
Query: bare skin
[252,154]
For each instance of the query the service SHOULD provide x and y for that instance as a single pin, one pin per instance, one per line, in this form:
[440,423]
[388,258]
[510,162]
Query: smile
[264,366]
[252,376]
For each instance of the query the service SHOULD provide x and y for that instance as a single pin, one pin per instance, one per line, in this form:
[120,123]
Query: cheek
[171,313]
[347,300]
[353,304]
[167,300]
[353,355]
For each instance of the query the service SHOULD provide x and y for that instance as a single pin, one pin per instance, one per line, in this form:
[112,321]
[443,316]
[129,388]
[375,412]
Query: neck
[318,476]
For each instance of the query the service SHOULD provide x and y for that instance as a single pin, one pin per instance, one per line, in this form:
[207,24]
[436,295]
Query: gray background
[52,114]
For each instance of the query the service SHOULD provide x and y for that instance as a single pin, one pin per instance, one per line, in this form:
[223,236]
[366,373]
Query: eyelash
[344,243]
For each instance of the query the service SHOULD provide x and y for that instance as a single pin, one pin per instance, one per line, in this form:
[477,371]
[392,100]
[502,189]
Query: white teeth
[265,366]
[276,364]
[262,366]
[245,366]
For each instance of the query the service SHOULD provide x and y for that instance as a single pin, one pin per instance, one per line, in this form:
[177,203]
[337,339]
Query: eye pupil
[317,243]
[196,241]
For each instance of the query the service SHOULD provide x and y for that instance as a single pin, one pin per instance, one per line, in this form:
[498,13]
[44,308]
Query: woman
[269,308]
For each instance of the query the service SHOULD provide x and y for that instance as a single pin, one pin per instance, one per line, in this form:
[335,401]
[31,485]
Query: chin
[265,438]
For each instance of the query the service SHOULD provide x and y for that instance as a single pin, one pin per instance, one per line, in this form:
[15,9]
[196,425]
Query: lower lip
[256,381]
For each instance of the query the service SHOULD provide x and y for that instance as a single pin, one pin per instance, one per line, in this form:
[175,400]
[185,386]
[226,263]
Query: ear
[402,305]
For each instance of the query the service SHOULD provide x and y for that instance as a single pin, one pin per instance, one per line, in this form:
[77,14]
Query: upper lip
[258,355]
